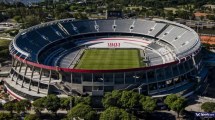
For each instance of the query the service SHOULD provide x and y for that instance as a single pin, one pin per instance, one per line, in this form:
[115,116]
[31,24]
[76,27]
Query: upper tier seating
[179,39]
[155,29]
[171,33]
[124,26]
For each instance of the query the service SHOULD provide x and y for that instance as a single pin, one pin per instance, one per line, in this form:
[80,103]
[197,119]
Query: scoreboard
[113,45]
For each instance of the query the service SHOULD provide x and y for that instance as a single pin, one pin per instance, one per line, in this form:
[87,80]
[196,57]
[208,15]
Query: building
[114,14]
[45,56]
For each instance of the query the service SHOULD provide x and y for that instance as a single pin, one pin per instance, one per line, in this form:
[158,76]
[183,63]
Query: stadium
[89,57]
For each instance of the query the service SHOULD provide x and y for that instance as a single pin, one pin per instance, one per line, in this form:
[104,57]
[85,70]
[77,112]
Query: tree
[17,18]
[170,99]
[148,104]
[31,20]
[183,14]
[22,105]
[122,99]
[175,103]
[129,99]
[26,103]
[82,111]
[7,116]
[64,15]
[31,117]
[211,17]
[170,15]
[111,99]
[19,107]
[114,113]
[79,15]
[64,103]
[52,103]
[178,105]
[39,105]
[73,8]
[208,106]
[84,100]
[4,116]
[9,106]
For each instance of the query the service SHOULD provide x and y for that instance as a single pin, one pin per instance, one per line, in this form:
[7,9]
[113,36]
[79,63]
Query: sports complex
[90,57]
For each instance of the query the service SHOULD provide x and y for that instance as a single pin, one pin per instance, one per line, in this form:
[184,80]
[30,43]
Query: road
[5,38]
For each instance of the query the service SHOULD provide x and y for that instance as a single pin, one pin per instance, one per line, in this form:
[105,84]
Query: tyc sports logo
[205,114]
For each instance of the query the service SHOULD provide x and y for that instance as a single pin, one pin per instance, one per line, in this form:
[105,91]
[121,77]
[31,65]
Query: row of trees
[132,101]
[208,106]
[129,100]
[52,103]
[20,106]
[117,104]
[126,103]
[17,106]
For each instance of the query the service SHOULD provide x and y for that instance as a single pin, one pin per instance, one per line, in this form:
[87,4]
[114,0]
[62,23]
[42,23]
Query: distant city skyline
[23,1]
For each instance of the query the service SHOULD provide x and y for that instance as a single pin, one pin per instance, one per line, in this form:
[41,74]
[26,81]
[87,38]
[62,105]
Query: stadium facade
[45,58]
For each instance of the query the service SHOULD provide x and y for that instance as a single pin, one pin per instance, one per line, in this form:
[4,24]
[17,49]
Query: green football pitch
[104,59]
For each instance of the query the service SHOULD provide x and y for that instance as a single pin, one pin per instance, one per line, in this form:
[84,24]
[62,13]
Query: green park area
[4,49]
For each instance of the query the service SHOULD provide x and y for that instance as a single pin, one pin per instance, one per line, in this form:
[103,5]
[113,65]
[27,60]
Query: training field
[103,59]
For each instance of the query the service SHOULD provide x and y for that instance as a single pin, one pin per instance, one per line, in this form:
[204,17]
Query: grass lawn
[4,43]
[101,59]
